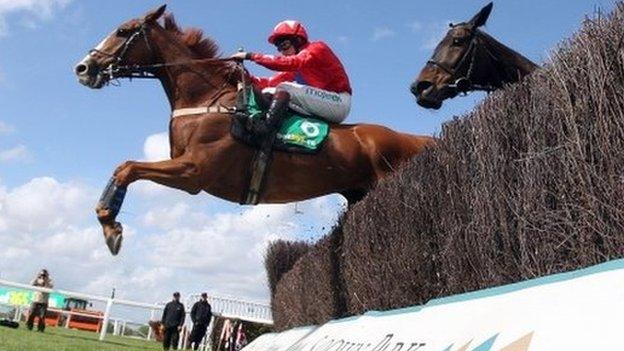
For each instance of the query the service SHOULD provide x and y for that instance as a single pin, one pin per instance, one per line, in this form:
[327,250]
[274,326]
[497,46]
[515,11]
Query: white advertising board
[279,341]
[580,310]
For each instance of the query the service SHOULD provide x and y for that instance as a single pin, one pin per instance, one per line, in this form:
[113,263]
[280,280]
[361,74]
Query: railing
[109,301]
[225,307]
[229,307]
[118,324]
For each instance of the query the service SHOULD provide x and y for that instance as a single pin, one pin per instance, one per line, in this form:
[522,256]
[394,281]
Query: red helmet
[288,28]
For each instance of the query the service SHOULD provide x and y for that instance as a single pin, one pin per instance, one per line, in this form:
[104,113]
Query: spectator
[39,306]
[241,338]
[201,313]
[172,320]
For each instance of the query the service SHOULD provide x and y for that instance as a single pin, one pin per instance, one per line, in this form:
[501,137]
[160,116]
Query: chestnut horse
[467,59]
[204,156]
[157,329]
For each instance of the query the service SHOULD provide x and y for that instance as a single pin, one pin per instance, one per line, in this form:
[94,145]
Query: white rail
[226,307]
[109,301]
[230,307]
[119,324]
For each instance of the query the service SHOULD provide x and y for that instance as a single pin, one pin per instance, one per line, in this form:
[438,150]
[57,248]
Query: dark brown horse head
[126,45]
[467,59]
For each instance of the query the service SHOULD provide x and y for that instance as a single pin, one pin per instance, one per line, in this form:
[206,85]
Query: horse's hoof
[114,237]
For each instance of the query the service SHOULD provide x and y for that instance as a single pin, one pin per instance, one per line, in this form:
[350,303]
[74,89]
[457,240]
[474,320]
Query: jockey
[310,80]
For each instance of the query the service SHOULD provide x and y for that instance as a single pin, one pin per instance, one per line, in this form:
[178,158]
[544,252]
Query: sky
[60,141]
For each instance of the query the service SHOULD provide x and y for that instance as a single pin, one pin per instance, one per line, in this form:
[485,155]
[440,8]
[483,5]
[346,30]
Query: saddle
[297,133]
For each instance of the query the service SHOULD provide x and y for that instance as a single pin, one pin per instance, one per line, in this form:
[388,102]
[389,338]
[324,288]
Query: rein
[115,71]
[145,71]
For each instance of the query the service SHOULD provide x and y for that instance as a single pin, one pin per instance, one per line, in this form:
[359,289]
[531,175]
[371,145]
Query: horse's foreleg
[107,209]
[178,173]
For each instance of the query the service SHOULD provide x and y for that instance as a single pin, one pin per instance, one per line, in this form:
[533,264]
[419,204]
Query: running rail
[226,307]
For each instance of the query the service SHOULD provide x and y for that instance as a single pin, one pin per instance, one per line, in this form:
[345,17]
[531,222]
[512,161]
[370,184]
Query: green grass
[61,339]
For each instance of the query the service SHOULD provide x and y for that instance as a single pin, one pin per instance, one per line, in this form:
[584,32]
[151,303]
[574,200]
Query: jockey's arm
[265,82]
[284,63]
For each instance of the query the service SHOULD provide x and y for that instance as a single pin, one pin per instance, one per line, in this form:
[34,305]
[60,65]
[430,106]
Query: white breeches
[307,100]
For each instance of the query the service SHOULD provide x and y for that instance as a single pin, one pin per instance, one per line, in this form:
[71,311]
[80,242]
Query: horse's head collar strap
[463,83]
[116,69]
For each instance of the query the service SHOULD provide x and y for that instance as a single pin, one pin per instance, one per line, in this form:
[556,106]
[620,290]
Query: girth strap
[260,163]
[201,110]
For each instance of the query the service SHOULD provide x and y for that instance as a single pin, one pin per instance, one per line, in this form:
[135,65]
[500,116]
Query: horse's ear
[154,15]
[480,18]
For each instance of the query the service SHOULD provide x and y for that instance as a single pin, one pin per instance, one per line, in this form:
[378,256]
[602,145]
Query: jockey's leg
[307,100]
[275,115]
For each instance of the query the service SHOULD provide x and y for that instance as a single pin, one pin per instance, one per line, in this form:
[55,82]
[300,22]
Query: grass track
[60,339]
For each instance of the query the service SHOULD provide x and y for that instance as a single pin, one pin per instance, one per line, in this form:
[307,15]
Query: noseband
[463,83]
[115,70]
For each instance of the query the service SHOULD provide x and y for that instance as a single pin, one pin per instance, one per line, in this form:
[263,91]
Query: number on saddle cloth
[113,196]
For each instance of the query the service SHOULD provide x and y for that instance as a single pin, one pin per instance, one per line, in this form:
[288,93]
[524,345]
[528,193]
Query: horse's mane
[193,38]
[507,54]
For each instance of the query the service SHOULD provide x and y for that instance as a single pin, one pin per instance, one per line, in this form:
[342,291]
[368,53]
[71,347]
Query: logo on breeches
[323,95]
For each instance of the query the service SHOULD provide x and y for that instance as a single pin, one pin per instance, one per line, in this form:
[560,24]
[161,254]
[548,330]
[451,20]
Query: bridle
[463,83]
[115,70]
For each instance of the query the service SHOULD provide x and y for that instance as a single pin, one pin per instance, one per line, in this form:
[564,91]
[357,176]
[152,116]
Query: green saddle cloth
[296,130]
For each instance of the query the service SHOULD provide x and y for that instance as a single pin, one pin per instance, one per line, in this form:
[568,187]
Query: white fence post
[109,304]
[149,329]
[18,313]
[209,332]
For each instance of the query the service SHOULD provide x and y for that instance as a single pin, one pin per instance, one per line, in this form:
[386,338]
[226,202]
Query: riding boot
[275,115]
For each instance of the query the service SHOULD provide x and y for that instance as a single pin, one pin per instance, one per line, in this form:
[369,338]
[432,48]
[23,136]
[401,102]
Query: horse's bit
[115,70]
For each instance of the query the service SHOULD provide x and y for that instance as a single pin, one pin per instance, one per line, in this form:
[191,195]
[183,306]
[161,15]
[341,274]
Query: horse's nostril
[413,89]
[420,86]
[81,69]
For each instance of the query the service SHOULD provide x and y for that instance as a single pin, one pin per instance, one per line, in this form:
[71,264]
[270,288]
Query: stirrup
[261,128]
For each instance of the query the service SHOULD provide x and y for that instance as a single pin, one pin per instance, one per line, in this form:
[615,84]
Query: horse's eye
[122,32]
[458,41]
